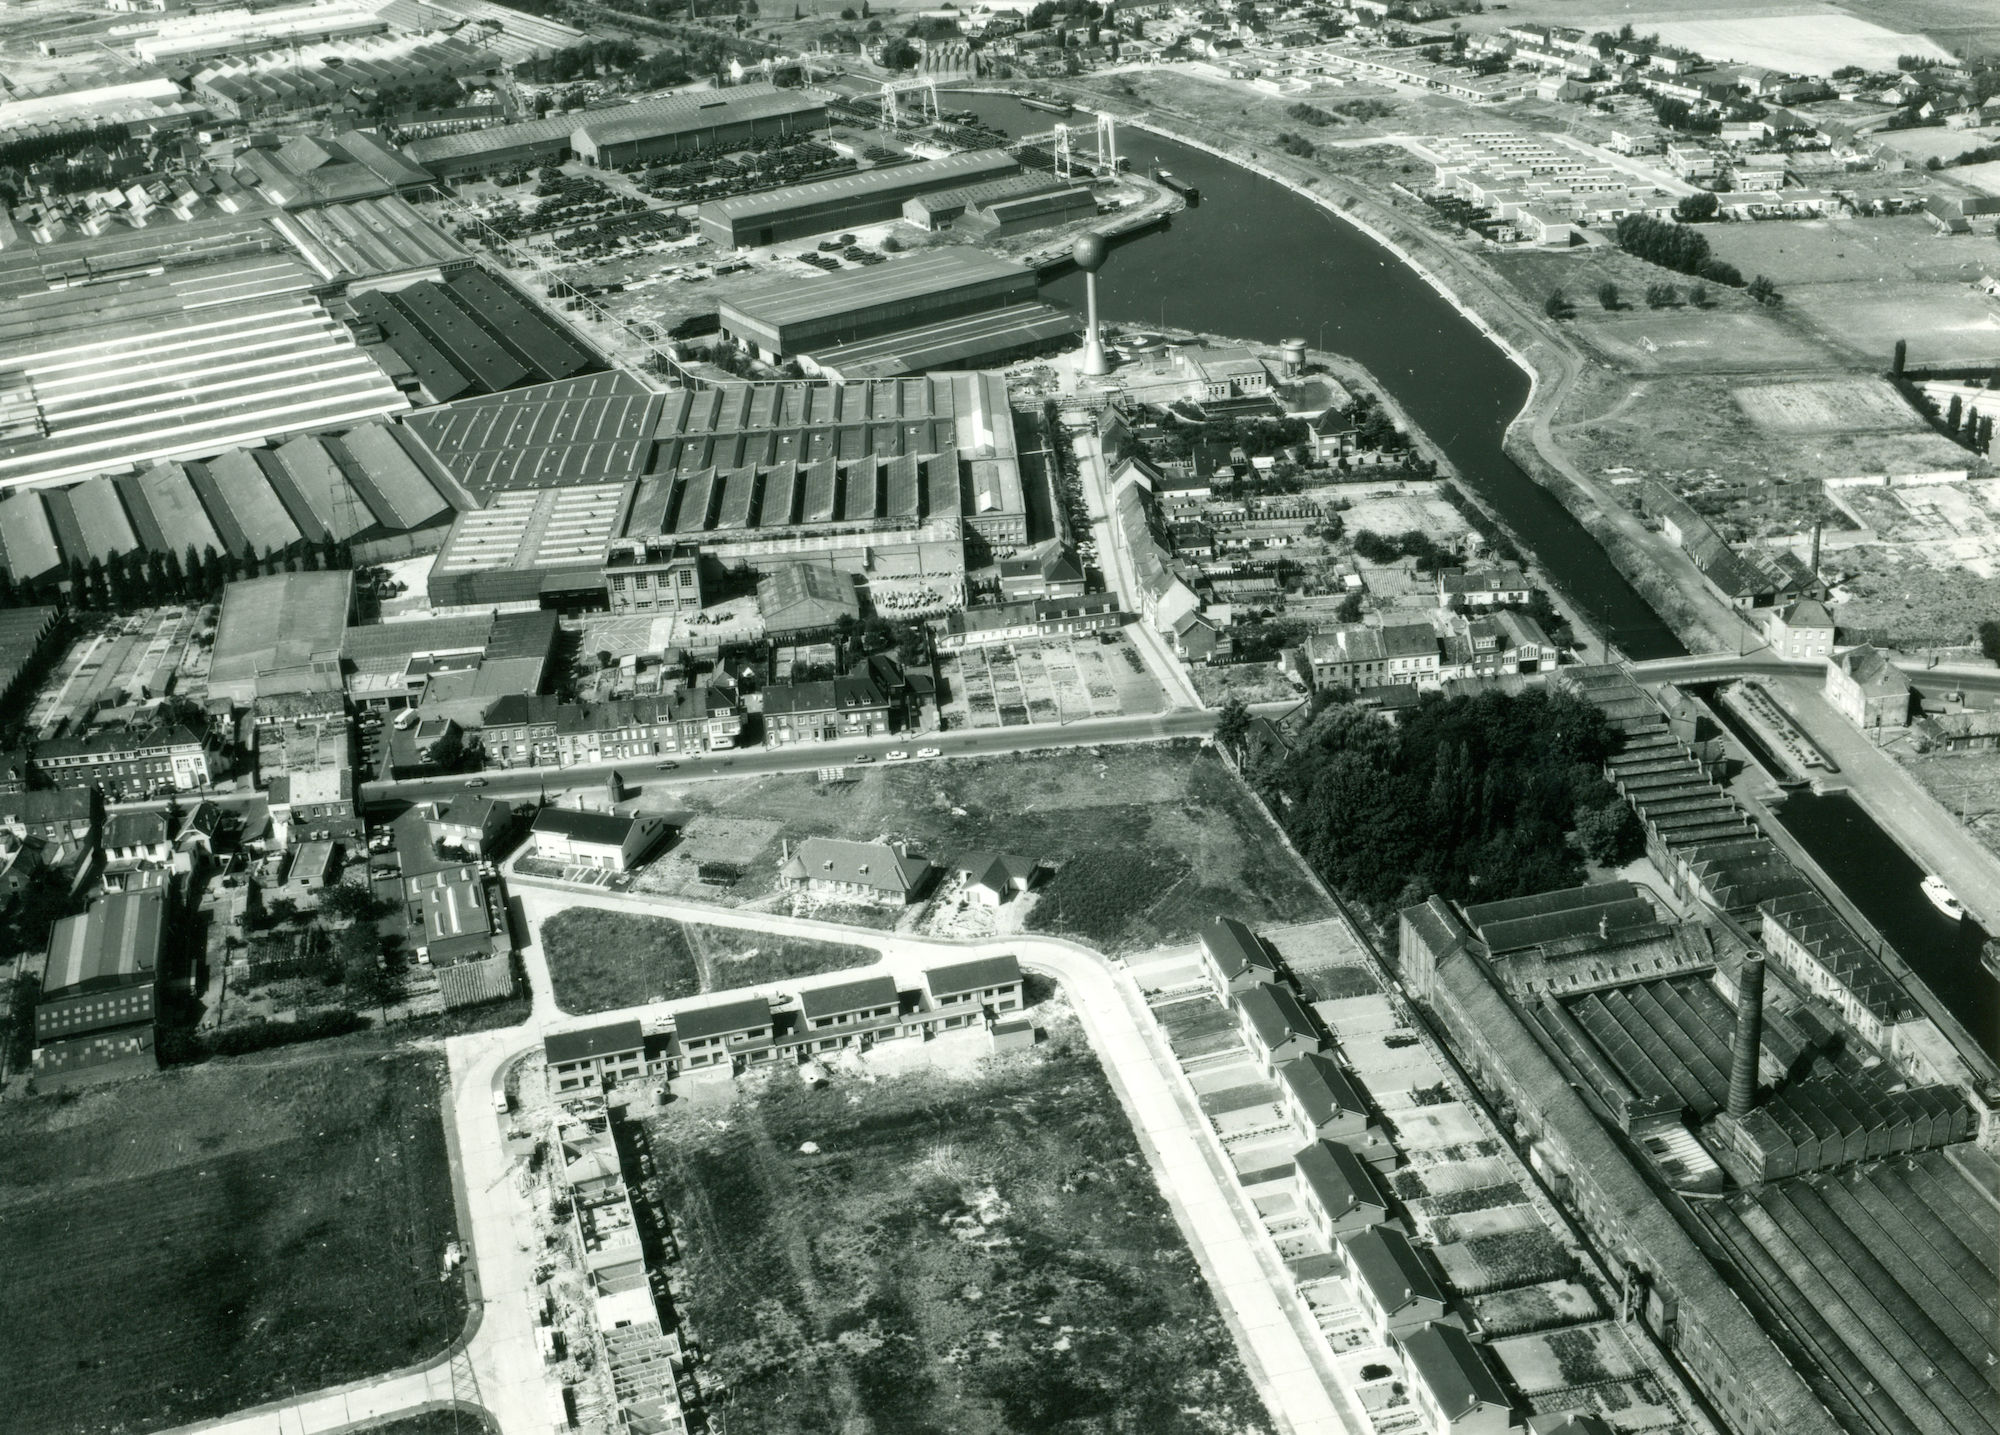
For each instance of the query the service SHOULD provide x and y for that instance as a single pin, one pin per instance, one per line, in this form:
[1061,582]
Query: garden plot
[1427,1128]
[1391,1064]
[1047,680]
[1480,1264]
[1199,1031]
[1559,1359]
[1855,405]
[1535,1307]
[1400,508]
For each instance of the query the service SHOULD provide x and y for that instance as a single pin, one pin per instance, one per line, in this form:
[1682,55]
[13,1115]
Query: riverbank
[1659,572]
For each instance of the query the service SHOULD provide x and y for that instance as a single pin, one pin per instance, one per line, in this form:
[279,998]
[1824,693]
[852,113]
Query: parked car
[930,752]
[475,782]
[669,766]
[895,754]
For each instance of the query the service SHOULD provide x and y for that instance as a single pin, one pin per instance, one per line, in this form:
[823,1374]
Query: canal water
[1255,261]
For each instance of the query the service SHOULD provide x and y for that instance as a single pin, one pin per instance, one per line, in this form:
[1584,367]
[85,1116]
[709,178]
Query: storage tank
[1294,352]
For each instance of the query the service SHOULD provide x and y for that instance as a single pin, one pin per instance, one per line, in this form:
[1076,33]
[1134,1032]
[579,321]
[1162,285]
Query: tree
[1698,295]
[1661,296]
[1607,295]
[1232,727]
[448,753]
[373,976]
[1902,356]
[1556,306]
[1349,610]
[350,902]
[1989,639]
[1765,292]
[1953,413]
[1608,834]
[1698,207]
[604,658]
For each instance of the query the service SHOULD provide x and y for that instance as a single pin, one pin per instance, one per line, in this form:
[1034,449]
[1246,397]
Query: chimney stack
[1749,1035]
[1815,549]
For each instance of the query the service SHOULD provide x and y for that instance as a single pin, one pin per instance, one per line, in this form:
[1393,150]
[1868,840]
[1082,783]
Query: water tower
[1294,352]
[1090,252]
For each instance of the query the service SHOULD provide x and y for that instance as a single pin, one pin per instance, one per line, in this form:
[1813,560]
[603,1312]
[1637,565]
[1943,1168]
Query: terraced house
[131,763]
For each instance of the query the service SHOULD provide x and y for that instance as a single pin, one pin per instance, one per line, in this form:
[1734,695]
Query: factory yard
[1036,1273]
[1046,680]
[143,655]
[1153,840]
[183,1247]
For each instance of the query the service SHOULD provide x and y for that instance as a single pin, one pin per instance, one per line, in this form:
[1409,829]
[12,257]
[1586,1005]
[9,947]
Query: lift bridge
[1096,143]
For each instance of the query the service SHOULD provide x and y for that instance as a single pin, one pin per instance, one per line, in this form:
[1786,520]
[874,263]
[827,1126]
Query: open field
[1813,44]
[206,1239]
[1176,808]
[983,1254]
[1961,26]
[1902,597]
[1693,434]
[1851,248]
[1858,405]
[1943,323]
[437,1422]
[601,961]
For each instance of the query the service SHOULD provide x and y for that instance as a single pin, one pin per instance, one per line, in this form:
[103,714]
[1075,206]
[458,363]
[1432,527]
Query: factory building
[874,196]
[95,1008]
[781,317]
[650,129]
[985,340]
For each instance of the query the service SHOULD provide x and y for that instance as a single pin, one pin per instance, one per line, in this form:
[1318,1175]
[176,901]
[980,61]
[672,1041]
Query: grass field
[981,1255]
[215,1237]
[600,961]
[437,1422]
[1209,848]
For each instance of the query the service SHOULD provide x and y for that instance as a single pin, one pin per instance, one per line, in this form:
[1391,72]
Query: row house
[1028,619]
[967,993]
[1276,1026]
[64,819]
[824,711]
[1355,655]
[847,1014]
[1322,1102]
[1235,959]
[131,763]
[1452,1386]
[1499,644]
[537,730]
[1489,586]
[596,1058]
[1395,1289]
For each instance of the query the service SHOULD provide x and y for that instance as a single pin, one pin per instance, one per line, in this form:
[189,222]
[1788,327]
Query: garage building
[873,196]
[786,316]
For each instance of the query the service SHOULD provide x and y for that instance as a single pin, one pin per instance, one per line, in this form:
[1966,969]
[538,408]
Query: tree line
[1675,246]
[141,578]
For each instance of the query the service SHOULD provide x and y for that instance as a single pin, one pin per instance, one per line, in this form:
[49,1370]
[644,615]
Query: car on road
[862,757]
[669,767]
[475,782]
[930,752]
[895,754]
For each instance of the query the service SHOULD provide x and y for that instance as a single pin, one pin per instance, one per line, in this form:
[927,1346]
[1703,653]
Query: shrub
[261,1035]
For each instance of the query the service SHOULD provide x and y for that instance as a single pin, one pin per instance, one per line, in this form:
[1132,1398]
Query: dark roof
[973,976]
[1386,1262]
[861,864]
[1452,1369]
[1277,1014]
[862,992]
[116,943]
[1235,948]
[1341,1181]
[1438,926]
[1551,916]
[721,1018]
[607,827]
[594,1041]
[1321,1087]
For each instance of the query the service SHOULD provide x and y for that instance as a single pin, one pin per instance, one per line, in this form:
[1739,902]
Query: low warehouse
[872,196]
[784,316]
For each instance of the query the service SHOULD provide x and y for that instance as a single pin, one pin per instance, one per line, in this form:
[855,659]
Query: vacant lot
[211,1238]
[978,1255]
[1967,783]
[1816,42]
[1173,811]
[601,961]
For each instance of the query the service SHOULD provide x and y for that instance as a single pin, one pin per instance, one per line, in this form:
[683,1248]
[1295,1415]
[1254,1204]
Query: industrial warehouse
[626,134]
[782,316]
[887,479]
[872,196]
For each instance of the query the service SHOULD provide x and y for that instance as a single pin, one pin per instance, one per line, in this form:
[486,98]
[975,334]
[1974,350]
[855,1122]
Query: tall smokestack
[1815,556]
[1749,1035]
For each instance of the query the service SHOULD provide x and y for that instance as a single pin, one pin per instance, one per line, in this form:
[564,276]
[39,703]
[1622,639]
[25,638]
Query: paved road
[1975,679]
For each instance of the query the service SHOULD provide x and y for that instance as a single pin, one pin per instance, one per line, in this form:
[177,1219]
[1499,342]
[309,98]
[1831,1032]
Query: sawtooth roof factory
[626,134]
[887,478]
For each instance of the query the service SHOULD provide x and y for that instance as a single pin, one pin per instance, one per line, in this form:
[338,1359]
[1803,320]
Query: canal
[1255,261]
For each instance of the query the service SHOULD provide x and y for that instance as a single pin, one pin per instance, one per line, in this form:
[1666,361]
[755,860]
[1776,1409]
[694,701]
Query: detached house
[1337,1190]
[473,824]
[608,840]
[1801,631]
[1393,1286]
[1451,1384]
[1868,689]
[992,879]
[874,874]
[1483,587]
[1235,958]
[1276,1025]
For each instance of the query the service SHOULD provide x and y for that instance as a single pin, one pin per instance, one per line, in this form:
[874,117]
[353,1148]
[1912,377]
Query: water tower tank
[1294,352]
